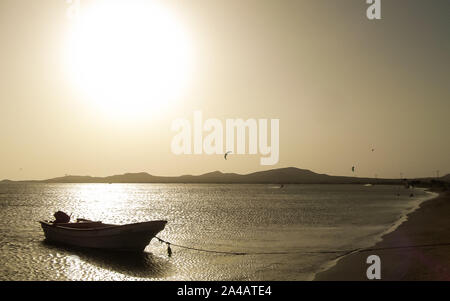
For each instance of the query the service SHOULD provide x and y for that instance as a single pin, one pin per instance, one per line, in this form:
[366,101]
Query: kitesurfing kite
[226,155]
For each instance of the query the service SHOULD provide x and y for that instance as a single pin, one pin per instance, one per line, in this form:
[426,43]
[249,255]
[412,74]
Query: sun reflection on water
[108,203]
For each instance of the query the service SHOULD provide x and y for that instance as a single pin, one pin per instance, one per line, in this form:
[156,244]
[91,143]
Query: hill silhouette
[290,175]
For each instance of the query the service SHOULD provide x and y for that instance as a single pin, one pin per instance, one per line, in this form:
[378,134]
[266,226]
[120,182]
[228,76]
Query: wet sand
[419,249]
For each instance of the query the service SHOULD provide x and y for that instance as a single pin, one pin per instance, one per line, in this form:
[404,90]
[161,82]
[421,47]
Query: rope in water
[340,252]
[344,252]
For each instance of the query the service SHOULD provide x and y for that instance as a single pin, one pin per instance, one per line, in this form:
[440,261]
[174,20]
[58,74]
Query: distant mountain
[289,175]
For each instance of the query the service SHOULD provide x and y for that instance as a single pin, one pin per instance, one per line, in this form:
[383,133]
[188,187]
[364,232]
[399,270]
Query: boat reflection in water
[133,264]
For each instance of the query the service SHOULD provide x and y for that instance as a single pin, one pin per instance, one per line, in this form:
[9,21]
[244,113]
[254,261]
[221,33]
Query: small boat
[97,235]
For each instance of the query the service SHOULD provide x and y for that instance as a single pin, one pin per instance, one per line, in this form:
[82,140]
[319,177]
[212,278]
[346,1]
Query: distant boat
[96,235]
[280,186]
[368,185]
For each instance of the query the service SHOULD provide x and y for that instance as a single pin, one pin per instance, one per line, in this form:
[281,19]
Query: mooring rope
[344,252]
[340,252]
[406,247]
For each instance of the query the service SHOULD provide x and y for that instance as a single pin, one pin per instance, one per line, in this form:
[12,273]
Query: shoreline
[418,248]
[379,237]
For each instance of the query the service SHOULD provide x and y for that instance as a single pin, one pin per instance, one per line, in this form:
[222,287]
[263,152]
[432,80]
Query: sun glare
[130,58]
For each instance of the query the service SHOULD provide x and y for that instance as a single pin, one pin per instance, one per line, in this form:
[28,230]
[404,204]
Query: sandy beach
[418,250]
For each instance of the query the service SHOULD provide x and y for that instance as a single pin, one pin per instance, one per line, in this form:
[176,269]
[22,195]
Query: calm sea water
[295,227]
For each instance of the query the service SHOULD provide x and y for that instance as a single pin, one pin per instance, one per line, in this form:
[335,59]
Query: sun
[129,58]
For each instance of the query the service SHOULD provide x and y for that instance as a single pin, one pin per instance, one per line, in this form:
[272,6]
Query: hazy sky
[339,83]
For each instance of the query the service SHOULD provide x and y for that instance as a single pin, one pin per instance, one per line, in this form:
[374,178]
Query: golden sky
[339,84]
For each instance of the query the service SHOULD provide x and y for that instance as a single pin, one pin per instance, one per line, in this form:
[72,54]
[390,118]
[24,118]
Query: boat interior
[81,225]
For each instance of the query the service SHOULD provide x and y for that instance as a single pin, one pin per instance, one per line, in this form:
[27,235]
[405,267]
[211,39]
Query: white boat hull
[132,237]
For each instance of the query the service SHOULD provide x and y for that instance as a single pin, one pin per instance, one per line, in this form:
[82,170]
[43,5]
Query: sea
[227,232]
